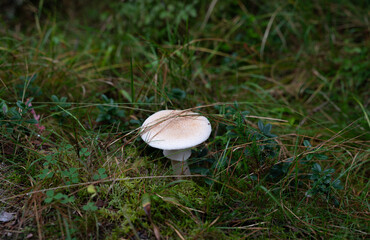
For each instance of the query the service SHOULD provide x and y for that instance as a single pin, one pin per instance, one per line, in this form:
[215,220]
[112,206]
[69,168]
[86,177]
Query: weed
[323,183]
[14,118]
[100,175]
[90,207]
[109,112]
[63,198]
[60,105]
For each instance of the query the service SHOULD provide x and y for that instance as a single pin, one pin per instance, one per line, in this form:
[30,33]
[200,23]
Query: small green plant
[323,183]
[281,169]
[61,105]
[100,175]
[257,149]
[45,173]
[71,176]
[90,207]
[235,127]
[26,88]
[84,152]
[109,112]
[49,161]
[267,145]
[18,117]
[60,102]
[177,93]
[59,197]
[313,154]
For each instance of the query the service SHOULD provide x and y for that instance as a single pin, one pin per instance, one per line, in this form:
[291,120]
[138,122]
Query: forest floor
[285,85]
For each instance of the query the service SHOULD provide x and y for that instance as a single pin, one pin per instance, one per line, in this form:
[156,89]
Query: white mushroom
[176,132]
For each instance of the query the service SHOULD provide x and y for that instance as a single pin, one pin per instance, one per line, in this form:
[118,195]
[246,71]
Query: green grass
[284,84]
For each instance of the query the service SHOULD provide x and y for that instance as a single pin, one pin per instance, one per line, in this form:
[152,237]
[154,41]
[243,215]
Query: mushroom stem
[180,167]
[178,160]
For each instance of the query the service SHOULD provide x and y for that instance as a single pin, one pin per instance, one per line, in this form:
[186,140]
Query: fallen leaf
[6,217]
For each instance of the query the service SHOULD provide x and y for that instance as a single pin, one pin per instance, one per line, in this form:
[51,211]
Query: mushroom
[176,132]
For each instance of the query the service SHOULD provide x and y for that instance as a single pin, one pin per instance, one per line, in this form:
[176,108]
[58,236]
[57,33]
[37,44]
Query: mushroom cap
[175,129]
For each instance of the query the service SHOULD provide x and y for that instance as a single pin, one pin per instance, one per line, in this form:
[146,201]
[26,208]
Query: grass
[284,84]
